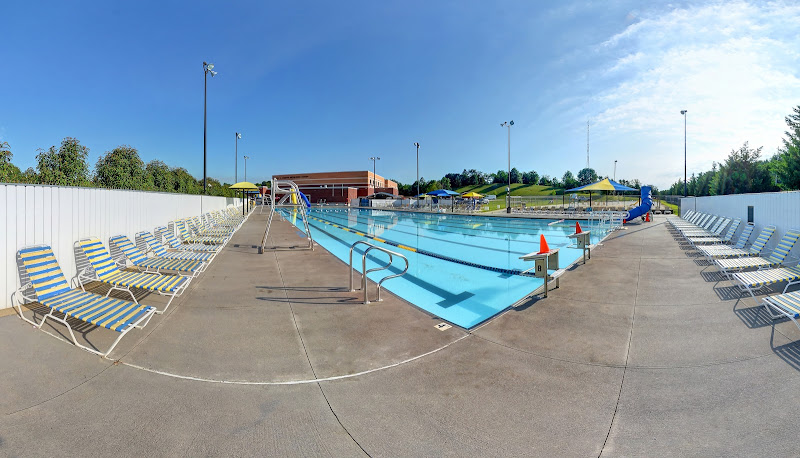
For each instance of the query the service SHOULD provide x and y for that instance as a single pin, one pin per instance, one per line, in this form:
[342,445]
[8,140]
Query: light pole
[374,180]
[683,112]
[207,68]
[245,166]
[417,145]
[615,170]
[236,162]
[508,189]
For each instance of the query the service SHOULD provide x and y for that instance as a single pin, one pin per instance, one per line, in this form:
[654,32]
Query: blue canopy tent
[605,184]
[445,193]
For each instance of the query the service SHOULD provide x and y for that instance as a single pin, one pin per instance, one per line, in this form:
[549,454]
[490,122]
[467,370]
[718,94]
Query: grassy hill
[517,189]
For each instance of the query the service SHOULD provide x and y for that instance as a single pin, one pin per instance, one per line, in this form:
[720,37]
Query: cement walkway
[642,351]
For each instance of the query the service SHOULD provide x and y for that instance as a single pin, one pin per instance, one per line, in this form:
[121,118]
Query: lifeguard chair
[290,198]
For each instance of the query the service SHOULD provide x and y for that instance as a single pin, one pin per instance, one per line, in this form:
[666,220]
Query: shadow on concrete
[713,276]
[728,293]
[753,317]
[790,352]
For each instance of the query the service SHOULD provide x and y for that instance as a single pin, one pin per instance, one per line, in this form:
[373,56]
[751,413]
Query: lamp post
[207,68]
[245,166]
[374,180]
[683,112]
[615,170]
[236,162]
[417,145]
[508,189]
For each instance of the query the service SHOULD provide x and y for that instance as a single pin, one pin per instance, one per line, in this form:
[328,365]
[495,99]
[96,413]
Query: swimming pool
[462,268]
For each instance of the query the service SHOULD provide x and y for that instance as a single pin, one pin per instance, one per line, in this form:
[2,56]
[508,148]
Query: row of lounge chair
[166,268]
[749,265]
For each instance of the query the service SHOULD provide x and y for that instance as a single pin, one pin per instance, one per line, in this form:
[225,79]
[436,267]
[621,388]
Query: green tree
[445,183]
[9,173]
[569,181]
[742,172]
[530,177]
[65,166]
[516,176]
[787,166]
[160,176]
[587,176]
[185,183]
[121,168]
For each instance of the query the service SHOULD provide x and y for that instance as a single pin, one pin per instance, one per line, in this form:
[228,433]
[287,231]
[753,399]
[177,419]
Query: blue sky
[322,86]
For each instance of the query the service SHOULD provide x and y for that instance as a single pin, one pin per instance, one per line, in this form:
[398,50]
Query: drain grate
[443,326]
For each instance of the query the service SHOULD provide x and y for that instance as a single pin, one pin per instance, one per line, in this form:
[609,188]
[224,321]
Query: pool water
[464,269]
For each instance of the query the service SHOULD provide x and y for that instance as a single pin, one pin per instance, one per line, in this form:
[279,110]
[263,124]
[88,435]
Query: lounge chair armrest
[20,293]
[791,261]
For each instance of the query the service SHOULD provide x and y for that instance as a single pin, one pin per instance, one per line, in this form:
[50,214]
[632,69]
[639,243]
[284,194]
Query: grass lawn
[517,189]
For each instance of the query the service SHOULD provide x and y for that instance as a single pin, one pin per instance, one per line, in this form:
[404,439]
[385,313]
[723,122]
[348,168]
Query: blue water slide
[308,204]
[647,203]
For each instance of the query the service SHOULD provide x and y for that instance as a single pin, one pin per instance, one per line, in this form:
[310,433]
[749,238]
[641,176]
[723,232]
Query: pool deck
[642,351]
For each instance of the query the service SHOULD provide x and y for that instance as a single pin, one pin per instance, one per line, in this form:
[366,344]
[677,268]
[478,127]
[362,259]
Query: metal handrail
[364,270]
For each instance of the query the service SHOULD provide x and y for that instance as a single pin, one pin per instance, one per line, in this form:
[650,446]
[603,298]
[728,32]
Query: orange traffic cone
[578,229]
[543,248]
[647,217]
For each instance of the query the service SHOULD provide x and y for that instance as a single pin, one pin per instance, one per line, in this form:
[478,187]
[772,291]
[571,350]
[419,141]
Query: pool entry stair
[291,198]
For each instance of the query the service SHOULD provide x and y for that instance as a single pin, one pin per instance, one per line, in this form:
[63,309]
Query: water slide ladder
[291,198]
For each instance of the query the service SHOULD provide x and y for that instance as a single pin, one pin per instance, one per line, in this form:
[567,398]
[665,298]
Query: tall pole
[683,112]
[207,68]
[587,144]
[417,145]
[205,98]
[374,180]
[236,162]
[245,166]
[508,209]
[508,189]
[615,170]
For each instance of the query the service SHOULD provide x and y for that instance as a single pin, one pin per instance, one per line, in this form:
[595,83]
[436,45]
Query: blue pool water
[484,281]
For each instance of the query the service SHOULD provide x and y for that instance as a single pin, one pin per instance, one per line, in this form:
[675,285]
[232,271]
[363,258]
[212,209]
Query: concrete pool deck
[642,351]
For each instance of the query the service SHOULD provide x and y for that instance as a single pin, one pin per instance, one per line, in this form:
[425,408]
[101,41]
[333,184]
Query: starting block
[582,242]
[542,263]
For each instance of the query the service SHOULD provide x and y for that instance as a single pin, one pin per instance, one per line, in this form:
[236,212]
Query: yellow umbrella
[472,194]
[243,186]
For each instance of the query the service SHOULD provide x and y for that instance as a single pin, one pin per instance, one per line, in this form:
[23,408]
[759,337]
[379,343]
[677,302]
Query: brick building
[340,186]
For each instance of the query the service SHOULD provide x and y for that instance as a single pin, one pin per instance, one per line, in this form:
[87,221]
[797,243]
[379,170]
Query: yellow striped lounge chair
[203,227]
[185,233]
[103,269]
[714,231]
[776,258]
[161,251]
[175,244]
[678,220]
[718,240]
[695,222]
[758,279]
[785,305]
[737,251]
[128,250]
[52,290]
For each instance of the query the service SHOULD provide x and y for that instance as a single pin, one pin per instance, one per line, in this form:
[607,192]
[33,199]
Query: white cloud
[734,66]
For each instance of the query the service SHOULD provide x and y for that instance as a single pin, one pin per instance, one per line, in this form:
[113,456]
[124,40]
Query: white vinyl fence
[60,215]
[779,209]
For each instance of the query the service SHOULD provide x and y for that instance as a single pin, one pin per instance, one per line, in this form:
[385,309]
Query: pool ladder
[364,270]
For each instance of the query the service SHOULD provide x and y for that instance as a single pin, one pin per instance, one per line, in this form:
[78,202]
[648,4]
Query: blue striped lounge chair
[175,244]
[185,233]
[785,305]
[201,226]
[776,258]
[695,222]
[52,290]
[678,220]
[128,250]
[154,246]
[753,281]
[704,240]
[103,269]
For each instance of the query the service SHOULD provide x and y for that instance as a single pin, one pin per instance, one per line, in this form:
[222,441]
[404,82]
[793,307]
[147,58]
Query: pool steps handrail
[365,271]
